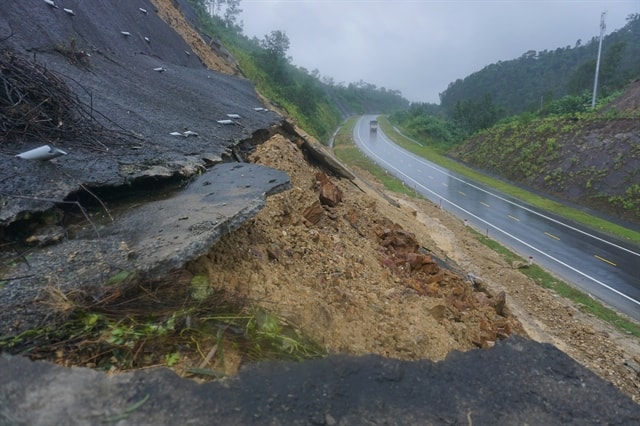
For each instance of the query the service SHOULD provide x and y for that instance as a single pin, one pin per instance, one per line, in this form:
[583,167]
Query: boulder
[330,194]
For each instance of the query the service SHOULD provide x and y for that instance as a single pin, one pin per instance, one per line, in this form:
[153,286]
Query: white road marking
[560,262]
[421,160]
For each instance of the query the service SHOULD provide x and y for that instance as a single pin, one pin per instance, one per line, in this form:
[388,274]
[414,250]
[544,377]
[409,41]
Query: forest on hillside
[318,103]
[537,84]
[535,79]
[545,82]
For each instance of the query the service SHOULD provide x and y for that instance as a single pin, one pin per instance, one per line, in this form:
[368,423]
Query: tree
[274,57]
[611,65]
[276,44]
[582,78]
[517,85]
[226,10]
[231,14]
[472,116]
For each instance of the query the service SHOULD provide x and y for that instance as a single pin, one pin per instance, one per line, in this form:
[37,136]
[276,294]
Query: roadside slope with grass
[588,158]
[438,154]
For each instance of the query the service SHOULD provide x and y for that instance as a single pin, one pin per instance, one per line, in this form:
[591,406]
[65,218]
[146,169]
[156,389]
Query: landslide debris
[327,257]
[38,104]
[323,259]
[212,54]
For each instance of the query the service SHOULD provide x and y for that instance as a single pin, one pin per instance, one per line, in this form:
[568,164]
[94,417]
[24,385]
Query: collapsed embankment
[351,270]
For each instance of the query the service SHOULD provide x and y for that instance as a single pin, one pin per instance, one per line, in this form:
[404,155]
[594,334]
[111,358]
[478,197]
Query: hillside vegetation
[590,158]
[530,121]
[527,120]
[537,78]
[318,103]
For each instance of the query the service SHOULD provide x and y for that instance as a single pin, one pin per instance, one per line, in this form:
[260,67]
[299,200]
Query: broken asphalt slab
[147,240]
[516,382]
[164,235]
[136,109]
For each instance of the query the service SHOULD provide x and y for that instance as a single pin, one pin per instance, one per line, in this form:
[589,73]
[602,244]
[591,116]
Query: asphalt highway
[607,270]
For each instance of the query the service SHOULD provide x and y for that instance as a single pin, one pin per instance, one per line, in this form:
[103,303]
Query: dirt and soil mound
[629,100]
[349,275]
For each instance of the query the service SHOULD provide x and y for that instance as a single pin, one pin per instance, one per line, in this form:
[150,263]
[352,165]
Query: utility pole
[603,27]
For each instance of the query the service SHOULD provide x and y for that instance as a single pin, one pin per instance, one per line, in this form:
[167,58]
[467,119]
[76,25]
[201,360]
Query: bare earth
[339,281]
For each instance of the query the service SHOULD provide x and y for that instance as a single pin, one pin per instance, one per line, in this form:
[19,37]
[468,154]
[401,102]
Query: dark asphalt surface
[603,268]
[125,94]
[517,382]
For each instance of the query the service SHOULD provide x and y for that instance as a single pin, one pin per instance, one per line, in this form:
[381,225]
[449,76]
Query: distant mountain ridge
[536,78]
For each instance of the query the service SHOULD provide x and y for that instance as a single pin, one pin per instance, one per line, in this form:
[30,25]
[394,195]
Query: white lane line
[608,287]
[421,160]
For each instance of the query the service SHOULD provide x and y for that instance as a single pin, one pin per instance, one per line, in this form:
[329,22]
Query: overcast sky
[420,46]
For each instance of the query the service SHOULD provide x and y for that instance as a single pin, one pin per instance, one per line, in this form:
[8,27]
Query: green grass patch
[546,280]
[437,155]
[183,325]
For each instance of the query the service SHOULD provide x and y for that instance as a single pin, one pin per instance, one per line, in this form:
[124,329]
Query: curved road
[608,270]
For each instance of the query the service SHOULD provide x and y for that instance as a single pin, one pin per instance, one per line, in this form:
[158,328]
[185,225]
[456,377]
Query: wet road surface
[603,268]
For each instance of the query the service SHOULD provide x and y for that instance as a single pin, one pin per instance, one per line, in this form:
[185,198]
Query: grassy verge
[546,280]
[346,150]
[436,155]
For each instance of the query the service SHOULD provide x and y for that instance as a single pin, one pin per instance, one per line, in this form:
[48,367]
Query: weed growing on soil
[135,325]
[125,414]
[72,53]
